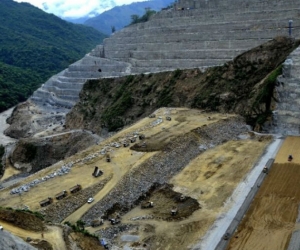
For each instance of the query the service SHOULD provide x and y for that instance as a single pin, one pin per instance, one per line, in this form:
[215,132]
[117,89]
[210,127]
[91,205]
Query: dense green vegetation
[79,227]
[144,18]
[34,46]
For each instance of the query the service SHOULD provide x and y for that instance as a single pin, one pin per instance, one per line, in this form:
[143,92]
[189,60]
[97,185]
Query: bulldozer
[147,204]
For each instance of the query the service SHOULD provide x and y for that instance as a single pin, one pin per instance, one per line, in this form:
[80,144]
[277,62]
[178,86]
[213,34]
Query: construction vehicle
[226,236]
[97,172]
[132,139]
[75,189]
[114,221]
[46,202]
[174,211]
[97,222]
[147,204]
[61,195]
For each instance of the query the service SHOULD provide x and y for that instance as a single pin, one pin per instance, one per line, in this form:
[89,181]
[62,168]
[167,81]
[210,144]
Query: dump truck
[97,172]
[75,189]
[46,202]
[61,195]
[108,158]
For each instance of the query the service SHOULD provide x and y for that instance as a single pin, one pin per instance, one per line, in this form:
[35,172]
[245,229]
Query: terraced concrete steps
[210,34]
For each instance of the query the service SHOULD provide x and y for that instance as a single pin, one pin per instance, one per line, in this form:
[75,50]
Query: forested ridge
[34,46]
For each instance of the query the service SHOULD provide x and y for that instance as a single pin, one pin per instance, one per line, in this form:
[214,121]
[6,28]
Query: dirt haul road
[53,235]
[210,179]
[122,159]
[271,217]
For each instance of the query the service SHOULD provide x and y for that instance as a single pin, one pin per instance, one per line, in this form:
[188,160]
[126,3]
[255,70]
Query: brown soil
[52,234]
[164,199]
[22,219]
[209,179]
[42,245]
[86,242]
[271,218]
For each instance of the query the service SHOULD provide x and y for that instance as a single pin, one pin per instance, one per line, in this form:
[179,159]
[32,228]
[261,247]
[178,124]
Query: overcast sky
[76,8]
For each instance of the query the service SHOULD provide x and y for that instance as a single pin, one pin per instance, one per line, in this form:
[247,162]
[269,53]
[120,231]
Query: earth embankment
[271,218]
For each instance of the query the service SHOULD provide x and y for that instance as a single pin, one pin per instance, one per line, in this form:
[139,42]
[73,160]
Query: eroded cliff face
[244,86]
[34,154]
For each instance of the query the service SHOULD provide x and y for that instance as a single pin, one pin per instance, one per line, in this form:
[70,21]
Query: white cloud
[76,8]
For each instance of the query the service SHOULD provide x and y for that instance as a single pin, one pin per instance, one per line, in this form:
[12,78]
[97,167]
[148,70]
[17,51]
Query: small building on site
[46,202]
[75,189]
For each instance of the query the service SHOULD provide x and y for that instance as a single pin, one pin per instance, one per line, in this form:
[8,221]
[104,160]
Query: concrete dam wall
[193,34]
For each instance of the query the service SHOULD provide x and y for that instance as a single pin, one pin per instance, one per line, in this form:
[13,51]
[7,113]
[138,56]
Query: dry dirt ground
[271,218]
[122,160]
[209,179]
[53,235]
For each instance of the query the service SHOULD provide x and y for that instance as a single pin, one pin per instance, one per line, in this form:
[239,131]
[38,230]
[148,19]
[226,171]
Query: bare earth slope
[192,162]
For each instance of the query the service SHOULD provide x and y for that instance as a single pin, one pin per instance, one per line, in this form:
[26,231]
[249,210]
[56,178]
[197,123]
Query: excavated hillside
[33,154]
[243,86]
[24,225]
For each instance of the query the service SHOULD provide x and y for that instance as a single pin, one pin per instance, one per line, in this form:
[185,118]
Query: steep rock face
[242,86]
[9,241]
[286,114]
[22,219]
[34,154]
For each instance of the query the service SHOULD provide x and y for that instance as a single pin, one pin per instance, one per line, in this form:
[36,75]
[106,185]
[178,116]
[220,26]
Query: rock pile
[162,166]
[58,211]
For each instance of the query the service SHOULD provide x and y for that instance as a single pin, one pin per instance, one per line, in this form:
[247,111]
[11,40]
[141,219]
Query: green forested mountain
[35,45]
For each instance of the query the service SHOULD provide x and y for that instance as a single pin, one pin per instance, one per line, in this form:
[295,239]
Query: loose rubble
[162,166]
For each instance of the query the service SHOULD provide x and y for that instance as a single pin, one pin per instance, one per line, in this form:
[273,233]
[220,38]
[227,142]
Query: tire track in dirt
[270,220]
